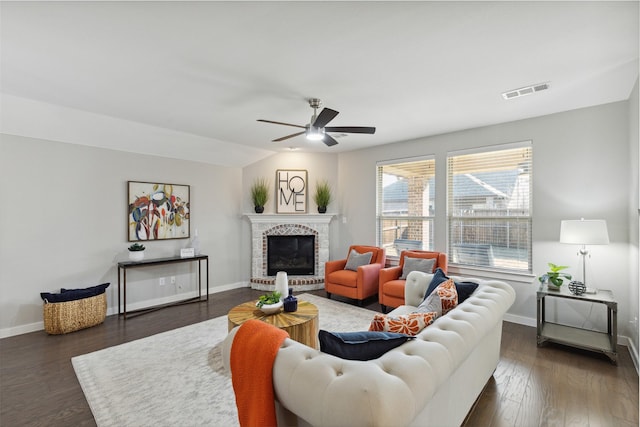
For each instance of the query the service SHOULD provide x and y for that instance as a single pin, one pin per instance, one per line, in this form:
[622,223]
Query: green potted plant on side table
[136,252]
[322,196]
[259,194]
[554,277]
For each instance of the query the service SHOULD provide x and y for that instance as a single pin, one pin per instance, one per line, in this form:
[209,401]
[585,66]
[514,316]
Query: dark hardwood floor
[532,386]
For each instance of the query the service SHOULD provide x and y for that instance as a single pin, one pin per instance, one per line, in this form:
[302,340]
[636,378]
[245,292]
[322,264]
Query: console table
[579,337]
[125,265]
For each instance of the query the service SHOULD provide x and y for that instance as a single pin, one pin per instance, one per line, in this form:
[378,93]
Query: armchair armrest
[331,266]
[390,273]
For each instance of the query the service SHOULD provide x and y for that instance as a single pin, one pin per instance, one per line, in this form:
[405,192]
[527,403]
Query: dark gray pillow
[417,264]
[364,345]
[355,260]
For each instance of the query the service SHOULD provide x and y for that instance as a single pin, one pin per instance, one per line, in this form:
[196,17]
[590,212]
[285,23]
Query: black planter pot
[322,209]
[259,209]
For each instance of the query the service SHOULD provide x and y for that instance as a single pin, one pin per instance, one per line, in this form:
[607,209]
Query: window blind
[405,204]
[489,195]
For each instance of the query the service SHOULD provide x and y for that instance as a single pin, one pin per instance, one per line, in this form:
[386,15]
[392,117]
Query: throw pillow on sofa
[417,264]
[445,296]
[464,289]
[410,324]
[359,345]
[355,260]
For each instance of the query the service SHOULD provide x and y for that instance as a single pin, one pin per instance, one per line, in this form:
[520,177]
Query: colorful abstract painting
[158,211]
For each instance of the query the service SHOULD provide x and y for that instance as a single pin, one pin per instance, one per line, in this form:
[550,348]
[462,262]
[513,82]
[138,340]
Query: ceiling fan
[317,128]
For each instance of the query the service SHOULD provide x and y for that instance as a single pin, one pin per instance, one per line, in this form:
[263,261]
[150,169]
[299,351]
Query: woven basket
[69,316]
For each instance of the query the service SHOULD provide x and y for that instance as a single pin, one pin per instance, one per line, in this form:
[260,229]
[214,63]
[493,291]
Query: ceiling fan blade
[328,139]
[351,129]
[325,116]
[281,123]
[290,136]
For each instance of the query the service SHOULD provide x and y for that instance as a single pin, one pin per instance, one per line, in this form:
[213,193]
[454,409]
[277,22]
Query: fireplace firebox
[293,254]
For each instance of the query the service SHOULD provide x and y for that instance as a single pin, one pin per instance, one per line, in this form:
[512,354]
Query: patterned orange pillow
[409,324]
[442,300]
[448,295]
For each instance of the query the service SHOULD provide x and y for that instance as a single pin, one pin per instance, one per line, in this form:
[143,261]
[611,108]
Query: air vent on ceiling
[527,90]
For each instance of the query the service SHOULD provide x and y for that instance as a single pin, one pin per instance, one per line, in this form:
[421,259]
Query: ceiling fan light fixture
[315,134]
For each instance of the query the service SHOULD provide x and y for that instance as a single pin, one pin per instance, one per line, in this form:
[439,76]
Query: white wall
[634,219]
[580,162]
[64,224]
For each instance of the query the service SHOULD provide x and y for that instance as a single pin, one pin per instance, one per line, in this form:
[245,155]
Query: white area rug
[176,378]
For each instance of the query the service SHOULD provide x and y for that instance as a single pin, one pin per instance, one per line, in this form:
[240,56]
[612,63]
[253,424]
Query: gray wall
[581,160]
[64,225]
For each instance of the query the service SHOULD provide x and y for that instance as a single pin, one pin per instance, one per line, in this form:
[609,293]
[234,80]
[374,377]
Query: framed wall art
[158,211]
[291,191]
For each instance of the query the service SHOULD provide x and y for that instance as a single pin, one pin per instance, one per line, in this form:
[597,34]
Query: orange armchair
[359,284]
[391,292]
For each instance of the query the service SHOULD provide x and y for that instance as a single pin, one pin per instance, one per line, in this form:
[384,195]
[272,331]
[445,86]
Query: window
[405,205]
[489,207]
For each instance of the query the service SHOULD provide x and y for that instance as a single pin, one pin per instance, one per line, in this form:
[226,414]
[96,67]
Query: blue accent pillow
[74,294]
[364,345]
[464,289]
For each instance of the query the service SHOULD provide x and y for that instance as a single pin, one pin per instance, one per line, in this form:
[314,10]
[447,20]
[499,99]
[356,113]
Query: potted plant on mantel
[136,252]
[322,196]
[259,194]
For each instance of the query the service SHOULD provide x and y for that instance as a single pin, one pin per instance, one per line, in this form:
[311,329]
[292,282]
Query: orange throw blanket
[253,352]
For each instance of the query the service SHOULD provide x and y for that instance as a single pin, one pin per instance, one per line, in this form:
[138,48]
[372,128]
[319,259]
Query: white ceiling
[189,80]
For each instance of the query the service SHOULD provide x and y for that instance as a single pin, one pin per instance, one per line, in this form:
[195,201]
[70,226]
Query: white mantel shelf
[290,218]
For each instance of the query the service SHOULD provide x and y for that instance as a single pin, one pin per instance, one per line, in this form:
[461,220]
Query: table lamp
[584,232]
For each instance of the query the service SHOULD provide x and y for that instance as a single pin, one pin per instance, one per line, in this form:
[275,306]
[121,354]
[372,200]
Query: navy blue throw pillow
[364,345]
[464,289]
[74,294]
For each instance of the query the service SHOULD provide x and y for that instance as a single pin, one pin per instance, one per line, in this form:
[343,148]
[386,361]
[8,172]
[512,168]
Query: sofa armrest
[368,275]
[415,287]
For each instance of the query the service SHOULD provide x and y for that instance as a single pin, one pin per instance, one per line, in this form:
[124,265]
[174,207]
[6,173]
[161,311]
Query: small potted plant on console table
[136,252]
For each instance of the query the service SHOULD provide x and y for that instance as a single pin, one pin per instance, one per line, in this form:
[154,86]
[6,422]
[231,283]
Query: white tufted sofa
[430,381]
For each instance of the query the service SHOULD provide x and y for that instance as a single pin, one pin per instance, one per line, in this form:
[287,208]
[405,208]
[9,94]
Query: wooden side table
[579,337]
[301,325]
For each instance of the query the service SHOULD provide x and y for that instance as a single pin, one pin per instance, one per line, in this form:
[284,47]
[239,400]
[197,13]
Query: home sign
[291,191]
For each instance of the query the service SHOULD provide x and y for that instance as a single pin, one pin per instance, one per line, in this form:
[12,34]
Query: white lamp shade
[584,232]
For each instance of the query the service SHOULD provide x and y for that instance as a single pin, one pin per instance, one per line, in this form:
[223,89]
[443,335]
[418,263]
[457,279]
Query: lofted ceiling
[189,79]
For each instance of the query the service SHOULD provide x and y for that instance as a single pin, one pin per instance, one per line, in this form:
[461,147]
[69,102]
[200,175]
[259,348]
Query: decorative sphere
[577,288]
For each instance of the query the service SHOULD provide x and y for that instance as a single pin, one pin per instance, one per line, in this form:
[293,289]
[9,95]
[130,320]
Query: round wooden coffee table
[301,325]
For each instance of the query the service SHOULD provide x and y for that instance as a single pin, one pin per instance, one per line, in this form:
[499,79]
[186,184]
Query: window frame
[527,219]
[380,217]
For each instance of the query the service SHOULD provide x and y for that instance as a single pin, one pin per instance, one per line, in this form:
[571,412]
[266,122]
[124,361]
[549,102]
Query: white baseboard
[520,320]
[21,329]
[39,326]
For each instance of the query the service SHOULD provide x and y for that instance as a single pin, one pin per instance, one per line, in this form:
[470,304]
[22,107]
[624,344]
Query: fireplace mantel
[290,218]
[263,225]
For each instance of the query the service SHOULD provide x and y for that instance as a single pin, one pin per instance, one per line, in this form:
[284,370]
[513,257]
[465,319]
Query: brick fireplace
[264,225]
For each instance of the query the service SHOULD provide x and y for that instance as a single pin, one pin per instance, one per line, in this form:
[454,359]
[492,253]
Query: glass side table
[579,337]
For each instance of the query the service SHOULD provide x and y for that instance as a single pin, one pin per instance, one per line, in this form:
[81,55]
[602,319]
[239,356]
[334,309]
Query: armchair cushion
[364,345]
[417,264]
[355,260]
